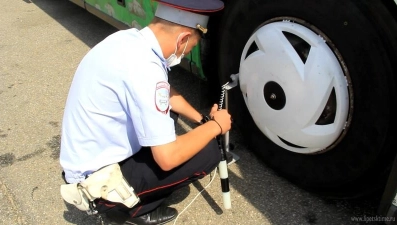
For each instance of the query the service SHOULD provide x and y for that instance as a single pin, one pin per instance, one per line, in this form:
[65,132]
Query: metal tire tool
[224,147]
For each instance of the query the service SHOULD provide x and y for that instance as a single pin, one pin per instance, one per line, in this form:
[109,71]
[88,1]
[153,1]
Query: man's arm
[173,154]
[182,107]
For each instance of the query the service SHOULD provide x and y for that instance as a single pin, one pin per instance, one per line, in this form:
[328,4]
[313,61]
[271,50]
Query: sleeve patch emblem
[162,97]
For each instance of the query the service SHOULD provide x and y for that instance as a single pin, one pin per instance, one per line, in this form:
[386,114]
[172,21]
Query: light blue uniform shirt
[117,103]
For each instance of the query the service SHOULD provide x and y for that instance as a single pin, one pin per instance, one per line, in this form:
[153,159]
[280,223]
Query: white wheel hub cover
[307,87]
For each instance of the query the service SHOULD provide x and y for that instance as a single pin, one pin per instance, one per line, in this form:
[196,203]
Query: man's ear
[184,38]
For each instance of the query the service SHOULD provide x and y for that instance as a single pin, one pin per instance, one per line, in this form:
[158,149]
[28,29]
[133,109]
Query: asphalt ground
[41,44]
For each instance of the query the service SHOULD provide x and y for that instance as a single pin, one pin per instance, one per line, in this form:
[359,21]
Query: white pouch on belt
[107,183]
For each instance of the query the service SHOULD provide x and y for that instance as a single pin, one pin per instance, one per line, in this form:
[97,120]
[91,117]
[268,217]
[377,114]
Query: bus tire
[363,35]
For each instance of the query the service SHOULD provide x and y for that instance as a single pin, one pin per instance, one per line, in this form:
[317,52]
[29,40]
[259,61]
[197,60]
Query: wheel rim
[295,86]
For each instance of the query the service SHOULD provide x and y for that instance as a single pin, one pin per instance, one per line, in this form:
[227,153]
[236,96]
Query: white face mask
[173,59]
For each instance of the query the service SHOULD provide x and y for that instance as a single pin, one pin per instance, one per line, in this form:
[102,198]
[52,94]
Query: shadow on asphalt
[88,28]
[261,188]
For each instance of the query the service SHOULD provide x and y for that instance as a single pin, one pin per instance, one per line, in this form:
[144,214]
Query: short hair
[172,27]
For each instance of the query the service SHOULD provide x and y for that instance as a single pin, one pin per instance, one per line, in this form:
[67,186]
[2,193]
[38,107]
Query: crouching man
[119,150]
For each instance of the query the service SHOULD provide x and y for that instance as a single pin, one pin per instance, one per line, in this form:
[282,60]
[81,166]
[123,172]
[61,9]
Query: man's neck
[164,40]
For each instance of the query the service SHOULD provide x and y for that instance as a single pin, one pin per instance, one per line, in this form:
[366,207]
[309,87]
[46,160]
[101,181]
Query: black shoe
[161,215]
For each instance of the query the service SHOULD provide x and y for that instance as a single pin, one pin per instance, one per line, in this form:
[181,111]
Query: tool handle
[223,173]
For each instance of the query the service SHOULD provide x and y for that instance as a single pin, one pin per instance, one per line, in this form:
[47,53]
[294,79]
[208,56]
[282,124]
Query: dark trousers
[153,185]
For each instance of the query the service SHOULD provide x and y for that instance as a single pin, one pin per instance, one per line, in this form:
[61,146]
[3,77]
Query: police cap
[189,13]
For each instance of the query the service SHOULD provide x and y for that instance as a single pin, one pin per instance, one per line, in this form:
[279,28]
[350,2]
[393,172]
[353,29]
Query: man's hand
[213,110]
[222,117]
[171,155]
